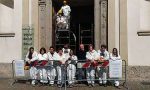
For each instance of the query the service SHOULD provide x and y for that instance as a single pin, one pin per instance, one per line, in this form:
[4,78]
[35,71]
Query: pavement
[6,84]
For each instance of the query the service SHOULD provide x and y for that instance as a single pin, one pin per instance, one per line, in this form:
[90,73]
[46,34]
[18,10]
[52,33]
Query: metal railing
[64,72]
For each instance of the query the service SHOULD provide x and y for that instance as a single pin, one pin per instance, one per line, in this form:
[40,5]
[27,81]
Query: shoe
[33,83]
[51,85]
[92,85]
[59,85]
[89,85]
[117,87]
[105,85]
[70,86]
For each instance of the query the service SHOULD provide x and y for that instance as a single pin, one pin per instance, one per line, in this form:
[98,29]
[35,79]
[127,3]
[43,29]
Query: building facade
[124,24]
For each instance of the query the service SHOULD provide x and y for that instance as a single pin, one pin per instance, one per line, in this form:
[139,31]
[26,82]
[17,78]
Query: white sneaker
[33,82]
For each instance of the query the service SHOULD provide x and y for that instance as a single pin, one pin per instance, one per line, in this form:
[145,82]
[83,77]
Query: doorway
[81,23]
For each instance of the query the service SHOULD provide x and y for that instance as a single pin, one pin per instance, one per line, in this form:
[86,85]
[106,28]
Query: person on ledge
[42,61]
[60,67]
[71,68]
[91,57]
[31,57]
[52,56]
[81,54]
[115,56]
[101,69]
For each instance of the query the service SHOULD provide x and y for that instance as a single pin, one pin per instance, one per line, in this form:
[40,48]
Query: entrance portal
[81,23]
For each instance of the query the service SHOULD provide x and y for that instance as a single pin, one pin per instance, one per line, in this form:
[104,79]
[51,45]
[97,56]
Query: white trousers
[90,73]
[71,71]
[43,75]
[33,74]
[59,73]
[51,72]
[102,75]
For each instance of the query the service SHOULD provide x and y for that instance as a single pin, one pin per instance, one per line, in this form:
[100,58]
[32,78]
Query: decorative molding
[7,34]
[143,33]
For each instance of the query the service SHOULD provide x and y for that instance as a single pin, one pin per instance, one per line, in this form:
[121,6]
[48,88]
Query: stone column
[48,23]
[103,22]
[97,24]
[45,23]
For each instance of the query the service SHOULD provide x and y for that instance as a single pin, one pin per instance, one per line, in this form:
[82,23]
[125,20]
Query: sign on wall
[27,39]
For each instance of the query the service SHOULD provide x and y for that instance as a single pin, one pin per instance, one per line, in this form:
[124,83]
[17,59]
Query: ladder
[86,35]
[65,36]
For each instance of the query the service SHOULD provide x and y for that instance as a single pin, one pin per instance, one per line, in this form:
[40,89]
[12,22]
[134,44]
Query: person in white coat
[91,56]
[31,57]
[60,68]
[42,61]
[71,68]
[52,56]
[115,56]
[61,21]
[104,55]
[66,12]
[66,51]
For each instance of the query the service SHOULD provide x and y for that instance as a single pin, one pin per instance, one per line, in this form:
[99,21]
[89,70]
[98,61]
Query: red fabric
[95,64]
[43,63]
[34,63]
[88,63]
[105,64]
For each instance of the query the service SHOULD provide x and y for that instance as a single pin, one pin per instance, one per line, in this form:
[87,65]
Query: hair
[30,53]
[59,49]
[90,45]
[103,46]
[116,51]
[51,47]
[43,50]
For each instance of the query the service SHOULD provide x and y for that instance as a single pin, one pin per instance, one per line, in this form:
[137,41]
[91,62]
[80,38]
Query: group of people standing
[65,65]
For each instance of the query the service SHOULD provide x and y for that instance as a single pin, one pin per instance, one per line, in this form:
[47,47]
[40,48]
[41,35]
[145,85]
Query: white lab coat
[91,71]
[71,69]
[34,56]
[106,54]
[66,54]
[59,69]
[51,71]
[33,70]
[114,57]
[101,70]
[61,22]
[66,10]
[42,70]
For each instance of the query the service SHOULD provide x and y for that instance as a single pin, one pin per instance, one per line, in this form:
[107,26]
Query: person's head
[51,49]
[60,51]
[81,46]
[42,50]
[66,46]
[103,48]
[31,49]
[91,47]
[71,52]
[65,2]
[115,51]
